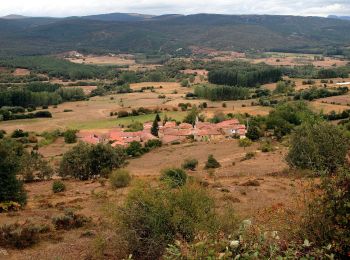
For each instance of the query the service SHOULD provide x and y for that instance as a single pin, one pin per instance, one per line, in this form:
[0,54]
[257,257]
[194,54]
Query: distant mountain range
[124,32]
[339,17]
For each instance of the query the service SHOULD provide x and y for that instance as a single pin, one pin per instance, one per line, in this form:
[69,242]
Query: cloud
[84,7]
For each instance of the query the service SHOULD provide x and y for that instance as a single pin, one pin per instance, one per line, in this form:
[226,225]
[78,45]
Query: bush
[248,156]
[321,146]
[135,149]
[70,136]
[43,114]
[152,144]
[190,164]
[20,235]
[58,186]
[69,220]
[85,161]
[212,163]
[327,220]
[245,142]
[266,147]
[120,178]
[151,218]
[19,133]
[2,133]
[174,177]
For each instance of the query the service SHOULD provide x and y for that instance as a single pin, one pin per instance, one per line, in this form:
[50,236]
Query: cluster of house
[170,132]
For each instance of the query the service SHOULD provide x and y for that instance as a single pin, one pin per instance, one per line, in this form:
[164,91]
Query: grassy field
[124,121]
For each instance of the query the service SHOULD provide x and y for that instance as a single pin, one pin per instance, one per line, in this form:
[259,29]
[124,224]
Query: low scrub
[190,164]
[58,186]
[21,235]
[69,220]
[120,178]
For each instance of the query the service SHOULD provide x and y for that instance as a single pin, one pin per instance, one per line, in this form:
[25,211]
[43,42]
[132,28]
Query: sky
[63,8]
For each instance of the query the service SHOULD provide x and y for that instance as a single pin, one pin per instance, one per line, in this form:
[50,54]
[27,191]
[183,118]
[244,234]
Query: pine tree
[155,127]
[158,118]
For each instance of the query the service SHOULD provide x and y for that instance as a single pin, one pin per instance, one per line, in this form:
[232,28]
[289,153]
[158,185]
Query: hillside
[139,33]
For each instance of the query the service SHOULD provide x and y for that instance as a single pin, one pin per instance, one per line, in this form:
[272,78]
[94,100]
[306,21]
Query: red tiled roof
[170,124]
[185,126]
[227,123]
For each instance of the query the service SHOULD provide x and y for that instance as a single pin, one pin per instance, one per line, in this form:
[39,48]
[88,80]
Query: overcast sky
[61,8]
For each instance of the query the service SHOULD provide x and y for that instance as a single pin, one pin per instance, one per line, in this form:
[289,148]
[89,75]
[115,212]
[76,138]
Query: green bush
[2,133]
[69,220]
[19,133]
[212,163]
[174,177]
[152,218]
[245,142]
[190,164]
[35,167]
[85,161]
[327,219]
[70,136]
[320,146]
[248,156]
[135,149]
[58,186]
[151,144]
[266,147]
[120,178]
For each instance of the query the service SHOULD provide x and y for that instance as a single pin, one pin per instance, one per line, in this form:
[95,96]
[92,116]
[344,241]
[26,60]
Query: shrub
[245,142]
[327,220]
[254,133]
[19,133]
[151,218]
[85,161]
[70,136]
[321,146]
[266,147]
[190,164]
[123,113]
[175,177]
[248,156]
[120,178]
[9,206]
[43,114]
[152,144]
[58,186]
[69,220]
[212,163]
[21,235]
[2,133]
[135,149]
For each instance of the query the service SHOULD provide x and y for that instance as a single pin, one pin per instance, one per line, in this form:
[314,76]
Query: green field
[124,121]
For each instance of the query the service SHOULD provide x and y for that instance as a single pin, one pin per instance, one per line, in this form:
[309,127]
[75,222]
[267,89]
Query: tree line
[214,92]
[39,94]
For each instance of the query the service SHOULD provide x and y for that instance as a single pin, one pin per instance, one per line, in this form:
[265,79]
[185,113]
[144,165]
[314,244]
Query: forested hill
[105,33]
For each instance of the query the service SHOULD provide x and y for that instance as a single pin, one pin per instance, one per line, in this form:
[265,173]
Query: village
[169,133]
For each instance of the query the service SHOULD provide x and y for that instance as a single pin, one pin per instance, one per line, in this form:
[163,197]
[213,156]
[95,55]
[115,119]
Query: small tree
[212,163]
[158,118]
[254,133]
[320,146]
[70,136]
[11,189]
[155,127]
